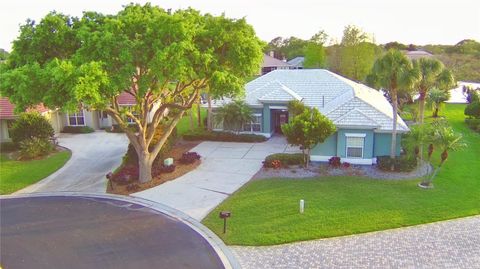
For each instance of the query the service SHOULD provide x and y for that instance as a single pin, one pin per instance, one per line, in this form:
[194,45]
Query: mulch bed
[323,169]
[176,152]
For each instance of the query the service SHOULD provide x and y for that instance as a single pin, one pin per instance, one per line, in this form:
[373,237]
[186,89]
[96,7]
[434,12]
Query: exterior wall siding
[4,137]
[383,142]
[327,148]
[266,117]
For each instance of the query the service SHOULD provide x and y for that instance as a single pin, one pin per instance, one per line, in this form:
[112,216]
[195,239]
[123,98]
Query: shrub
[284,158]
[78,129]
[115,128]
[222,136]
[473,124]
[167,168]
[35,147]
[31,125]
[133,187]
[401,164]
[189,157]
[346,165]
[334,162]
[8,147]
[473,110]
[126,175]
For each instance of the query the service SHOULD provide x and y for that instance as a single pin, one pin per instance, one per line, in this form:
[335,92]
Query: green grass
[183,125]
[16,175]
[265,212]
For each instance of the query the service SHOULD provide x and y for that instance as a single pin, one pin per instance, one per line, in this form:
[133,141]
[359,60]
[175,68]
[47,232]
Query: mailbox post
[224,215]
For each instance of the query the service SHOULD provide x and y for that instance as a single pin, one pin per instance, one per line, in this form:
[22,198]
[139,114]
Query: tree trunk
[209,115]
[307,158]
[421,115]
[199,113]
[393,146]
[435,112]
[190,113]
[144,167]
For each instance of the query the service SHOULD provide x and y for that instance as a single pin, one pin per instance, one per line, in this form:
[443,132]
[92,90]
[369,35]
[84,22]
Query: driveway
[445,244]
[225,168]
[93,156]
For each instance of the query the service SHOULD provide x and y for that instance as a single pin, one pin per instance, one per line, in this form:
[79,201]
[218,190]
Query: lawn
[265,212]
[16,175]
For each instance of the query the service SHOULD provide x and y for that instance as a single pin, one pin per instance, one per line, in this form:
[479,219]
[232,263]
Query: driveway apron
[93,156]
[225,167]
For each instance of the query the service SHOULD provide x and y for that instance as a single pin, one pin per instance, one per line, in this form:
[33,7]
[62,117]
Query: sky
[407,21]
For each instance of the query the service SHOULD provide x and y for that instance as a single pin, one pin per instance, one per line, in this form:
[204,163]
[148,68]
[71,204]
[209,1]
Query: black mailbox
[225,214]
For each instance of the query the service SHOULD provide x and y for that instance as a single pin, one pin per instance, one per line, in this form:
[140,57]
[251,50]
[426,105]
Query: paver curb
[223,252]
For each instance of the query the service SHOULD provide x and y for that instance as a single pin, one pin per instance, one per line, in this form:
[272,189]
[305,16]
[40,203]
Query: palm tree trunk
[393,146]
[421,115]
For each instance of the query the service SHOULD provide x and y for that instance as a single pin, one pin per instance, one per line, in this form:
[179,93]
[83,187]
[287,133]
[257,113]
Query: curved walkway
[93,156]
[446,244]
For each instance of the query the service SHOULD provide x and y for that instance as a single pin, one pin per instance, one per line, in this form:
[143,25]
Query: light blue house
[362,115]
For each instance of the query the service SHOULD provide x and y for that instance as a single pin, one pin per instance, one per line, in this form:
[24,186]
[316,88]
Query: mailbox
[225,214]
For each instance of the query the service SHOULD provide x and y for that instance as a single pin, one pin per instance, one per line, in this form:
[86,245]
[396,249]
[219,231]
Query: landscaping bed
[160,174]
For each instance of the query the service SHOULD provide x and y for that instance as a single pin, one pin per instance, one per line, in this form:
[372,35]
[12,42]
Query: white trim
[355,135]
[278,107]
[320,158]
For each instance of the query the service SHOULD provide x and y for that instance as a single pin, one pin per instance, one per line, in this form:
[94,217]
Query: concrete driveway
[93,156]
[225,167]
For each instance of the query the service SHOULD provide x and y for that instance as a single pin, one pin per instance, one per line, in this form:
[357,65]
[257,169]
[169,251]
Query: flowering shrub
[126,175]
[334,162]
[167,169]
[346,165]
[34,147]
[189,157]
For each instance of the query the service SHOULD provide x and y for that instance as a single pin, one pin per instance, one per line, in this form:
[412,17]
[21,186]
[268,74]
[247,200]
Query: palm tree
[432,74]
[234,115]
[435,99]
[393,71]
[446,140]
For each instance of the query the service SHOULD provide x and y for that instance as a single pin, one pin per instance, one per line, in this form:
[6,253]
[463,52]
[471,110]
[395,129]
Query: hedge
[401,164]
[473,124]
[284,158]
[222,136]
[77,129]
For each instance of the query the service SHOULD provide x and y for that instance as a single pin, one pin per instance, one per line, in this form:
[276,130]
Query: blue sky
[407,21]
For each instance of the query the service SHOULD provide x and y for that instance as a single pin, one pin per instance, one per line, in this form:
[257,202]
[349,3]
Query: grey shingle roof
[297,61]
[345,102]
[269,61]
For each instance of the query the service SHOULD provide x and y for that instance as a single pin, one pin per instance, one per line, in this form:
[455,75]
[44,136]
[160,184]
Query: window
[255,125]
[355,146]
[76,119]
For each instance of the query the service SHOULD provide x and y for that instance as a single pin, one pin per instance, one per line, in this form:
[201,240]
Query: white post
[302,206]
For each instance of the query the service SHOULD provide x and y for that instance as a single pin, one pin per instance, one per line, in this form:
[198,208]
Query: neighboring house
[458,96]
[417,54]
[8,116]
[83,117]
[297,62]
[362,115]
[271,63]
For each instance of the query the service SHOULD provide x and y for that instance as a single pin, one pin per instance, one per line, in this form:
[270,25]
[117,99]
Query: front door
[281,117]
[103,119]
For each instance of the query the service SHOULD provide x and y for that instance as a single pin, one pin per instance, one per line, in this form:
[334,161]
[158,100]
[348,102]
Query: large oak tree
[160,57]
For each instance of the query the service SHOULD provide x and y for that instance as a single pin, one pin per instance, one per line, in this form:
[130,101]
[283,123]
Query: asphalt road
[82,232]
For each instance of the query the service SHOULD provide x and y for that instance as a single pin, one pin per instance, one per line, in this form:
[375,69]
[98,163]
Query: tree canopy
[159,57]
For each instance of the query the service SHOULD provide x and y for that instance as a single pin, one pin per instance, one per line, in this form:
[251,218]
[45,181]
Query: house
[457,94]
[83,117]
[297,62]
[362,115]
[8,116]
[271,63]
[417,54]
